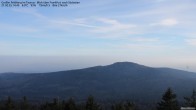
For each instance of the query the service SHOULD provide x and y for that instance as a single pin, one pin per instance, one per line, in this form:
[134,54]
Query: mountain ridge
[115,63]
[119,80]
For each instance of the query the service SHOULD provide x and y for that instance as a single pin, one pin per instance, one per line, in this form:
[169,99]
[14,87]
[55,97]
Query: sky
[157,33]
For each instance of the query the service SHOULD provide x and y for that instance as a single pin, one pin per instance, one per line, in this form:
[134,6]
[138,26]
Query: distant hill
[121,80]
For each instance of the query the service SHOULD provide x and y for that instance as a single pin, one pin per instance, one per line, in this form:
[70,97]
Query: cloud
[32,12]
[143,39]
[191,42]
[101,27]
[140,47]
[166,9]
[112,27]
[160,0]
[169,22]
[166,22]
[55,23]
[66,22]
[108,21]
[10,28]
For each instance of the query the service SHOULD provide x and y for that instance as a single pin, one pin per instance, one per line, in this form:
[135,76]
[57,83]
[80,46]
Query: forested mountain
[121,80]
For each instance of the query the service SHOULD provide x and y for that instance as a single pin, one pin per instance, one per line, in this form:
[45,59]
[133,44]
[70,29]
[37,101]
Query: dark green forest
[168,102]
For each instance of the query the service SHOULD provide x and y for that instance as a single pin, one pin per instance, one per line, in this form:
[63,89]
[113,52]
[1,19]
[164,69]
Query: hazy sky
[99,32]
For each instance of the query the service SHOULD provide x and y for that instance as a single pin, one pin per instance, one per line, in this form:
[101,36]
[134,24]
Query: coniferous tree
[168,101]
[130,106]
[70,105]
[45,106]
[191,101]
[118,106]
[9,105]
[124,106]
[55,104]
[91,104]
[24,104]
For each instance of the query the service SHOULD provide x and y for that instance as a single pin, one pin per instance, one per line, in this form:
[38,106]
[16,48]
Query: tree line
[168,102]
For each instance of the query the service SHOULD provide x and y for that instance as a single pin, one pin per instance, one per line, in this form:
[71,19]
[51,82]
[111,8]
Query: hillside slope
[122,80]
